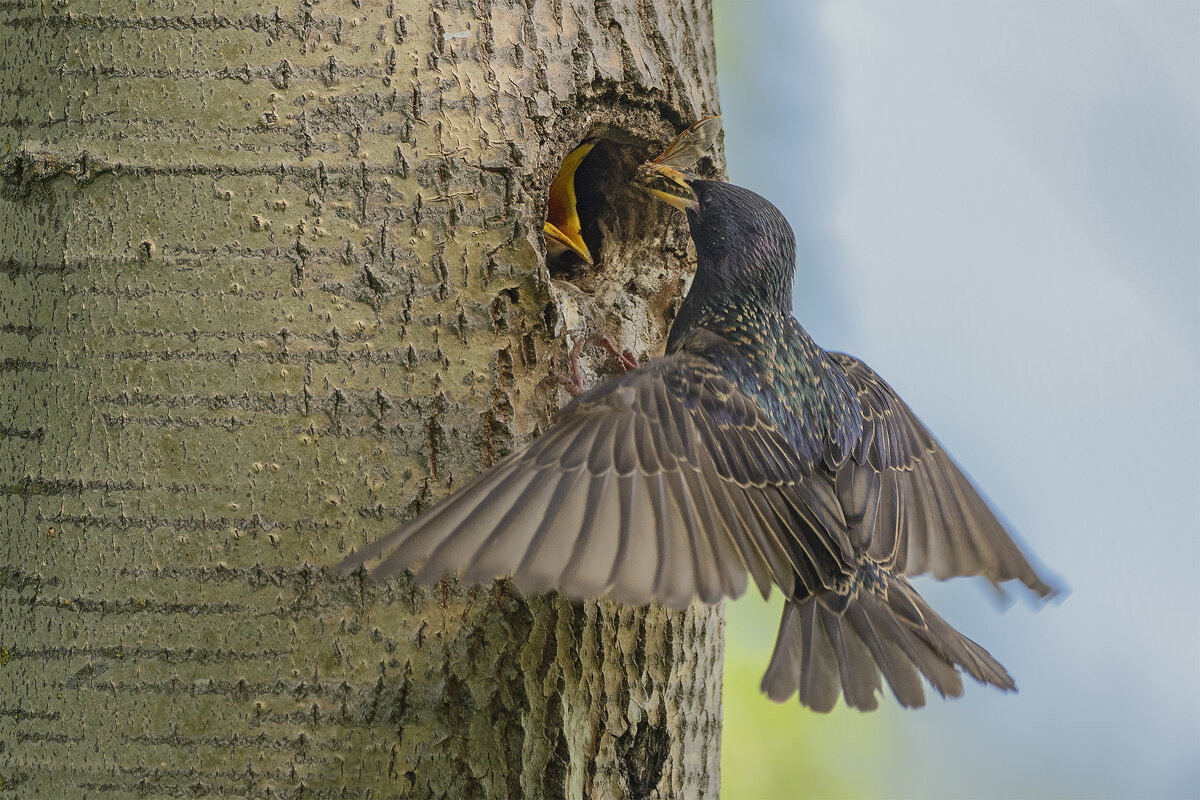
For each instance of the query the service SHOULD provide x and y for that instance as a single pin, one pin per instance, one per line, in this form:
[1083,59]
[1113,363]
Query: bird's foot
[626,360]
[572,382]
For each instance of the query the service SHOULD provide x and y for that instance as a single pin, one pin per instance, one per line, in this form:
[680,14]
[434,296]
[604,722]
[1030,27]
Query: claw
[572,382]
[626,360]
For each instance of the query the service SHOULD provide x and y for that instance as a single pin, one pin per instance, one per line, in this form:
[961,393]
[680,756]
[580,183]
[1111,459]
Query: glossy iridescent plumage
[745,450]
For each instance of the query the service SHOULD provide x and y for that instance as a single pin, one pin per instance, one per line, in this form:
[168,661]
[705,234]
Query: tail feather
[893,662]
[860,676]
[842,643]
[819,684]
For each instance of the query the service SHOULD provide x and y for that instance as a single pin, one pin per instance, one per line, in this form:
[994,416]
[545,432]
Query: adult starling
[745,449]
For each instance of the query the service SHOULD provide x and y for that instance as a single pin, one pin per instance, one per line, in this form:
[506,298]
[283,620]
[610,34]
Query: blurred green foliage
[781,752]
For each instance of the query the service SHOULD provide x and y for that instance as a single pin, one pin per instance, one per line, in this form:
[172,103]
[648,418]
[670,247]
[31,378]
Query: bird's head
[743,243]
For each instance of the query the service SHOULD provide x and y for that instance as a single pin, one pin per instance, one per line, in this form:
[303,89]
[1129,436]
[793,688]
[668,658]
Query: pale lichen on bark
[270,281]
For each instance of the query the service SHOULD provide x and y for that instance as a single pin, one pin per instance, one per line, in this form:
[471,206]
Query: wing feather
[714,539]
[501,552]
[666,483]
[930,518]
[635,567]
[595,552]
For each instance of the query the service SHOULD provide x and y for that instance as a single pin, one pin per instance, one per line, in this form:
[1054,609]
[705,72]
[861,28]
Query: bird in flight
[746,452]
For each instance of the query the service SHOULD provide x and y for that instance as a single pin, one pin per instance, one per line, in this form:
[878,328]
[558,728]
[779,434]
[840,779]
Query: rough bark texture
[271,279]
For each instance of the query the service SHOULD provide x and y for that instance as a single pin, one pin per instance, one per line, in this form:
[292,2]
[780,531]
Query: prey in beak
[668,177]
[670,185]
[562,226]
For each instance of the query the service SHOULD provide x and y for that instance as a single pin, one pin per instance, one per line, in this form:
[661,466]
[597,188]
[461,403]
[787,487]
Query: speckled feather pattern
[776,363]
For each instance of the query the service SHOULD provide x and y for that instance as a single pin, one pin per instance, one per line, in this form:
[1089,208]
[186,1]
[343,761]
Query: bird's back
[772,359]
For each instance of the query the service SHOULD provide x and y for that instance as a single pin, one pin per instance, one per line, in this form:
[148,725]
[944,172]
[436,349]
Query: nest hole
[613,215]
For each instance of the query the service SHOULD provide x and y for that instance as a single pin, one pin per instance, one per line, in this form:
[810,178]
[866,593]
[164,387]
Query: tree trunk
[272,280]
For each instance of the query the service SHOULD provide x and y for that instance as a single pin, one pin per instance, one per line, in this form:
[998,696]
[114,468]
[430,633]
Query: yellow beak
[562,228]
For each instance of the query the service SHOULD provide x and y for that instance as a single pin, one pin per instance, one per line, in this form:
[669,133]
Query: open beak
[670,185]
[562,228]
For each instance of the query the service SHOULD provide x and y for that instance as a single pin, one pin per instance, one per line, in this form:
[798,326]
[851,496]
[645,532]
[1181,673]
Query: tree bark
[272,280]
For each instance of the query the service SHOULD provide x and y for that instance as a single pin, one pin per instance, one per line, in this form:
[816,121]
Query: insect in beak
[670,185]
[667,177]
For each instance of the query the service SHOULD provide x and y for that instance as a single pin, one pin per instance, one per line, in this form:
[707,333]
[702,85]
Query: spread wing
[907,503]
[663,484]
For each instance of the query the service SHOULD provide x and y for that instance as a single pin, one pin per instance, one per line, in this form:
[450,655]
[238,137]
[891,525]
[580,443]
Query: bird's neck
[734,292]
[724,312]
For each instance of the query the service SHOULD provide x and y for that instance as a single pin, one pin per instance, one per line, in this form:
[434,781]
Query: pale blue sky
[998,207]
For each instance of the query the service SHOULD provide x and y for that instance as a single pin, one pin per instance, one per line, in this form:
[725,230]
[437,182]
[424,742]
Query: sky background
[997,206]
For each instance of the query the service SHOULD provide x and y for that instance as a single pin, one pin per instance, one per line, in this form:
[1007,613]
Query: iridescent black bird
[745,449]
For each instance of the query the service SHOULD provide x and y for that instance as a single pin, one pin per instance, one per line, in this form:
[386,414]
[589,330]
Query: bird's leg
[626,360]
[574,382]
